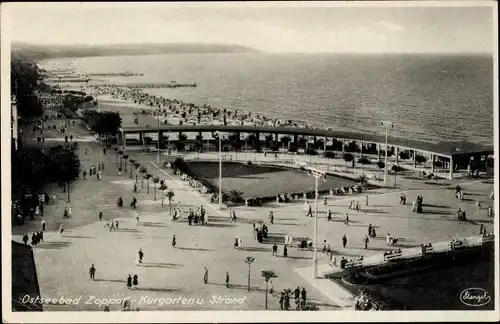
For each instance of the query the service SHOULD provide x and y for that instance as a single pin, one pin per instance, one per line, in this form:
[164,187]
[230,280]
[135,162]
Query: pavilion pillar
[397,155]
[469,165]
[450,177]
[295,138]
[124,141]
[361,150]
[378,151]
[276,138]
[414,159]
[343,149]
[257,139]
[141,138]
[433,161]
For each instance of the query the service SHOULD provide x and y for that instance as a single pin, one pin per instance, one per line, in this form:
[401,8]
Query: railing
[410,253]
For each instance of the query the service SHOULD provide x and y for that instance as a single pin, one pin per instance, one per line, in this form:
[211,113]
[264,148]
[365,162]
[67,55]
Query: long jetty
[159,85]
[124,74]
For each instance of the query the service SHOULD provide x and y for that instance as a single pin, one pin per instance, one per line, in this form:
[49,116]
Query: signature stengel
[475,297]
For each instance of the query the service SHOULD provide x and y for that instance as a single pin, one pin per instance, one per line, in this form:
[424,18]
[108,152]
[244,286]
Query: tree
[269,140]
[249,260]
[285,140]
[380,166]
[404,155]
[148,176]
[103,123]
[235,195]
[132,161]
[329,154]
[120,152]
[363,180]
[66,166]
[348,157]
[143,171]
[302,141]
[268,275]
[180,144]
[25,80]
[320,144]
[252,139]
[420,159]
[311,151]
[137,165]
[364,160]
[116,149]
[163,187]
[199,141]
[155,181]
[125,157]
[170,196]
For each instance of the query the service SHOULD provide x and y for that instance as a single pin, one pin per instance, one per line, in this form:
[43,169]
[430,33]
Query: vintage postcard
[249,161]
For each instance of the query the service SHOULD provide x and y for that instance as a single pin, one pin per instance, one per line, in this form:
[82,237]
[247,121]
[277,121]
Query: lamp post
[158,141]
[386,124]
[316,174]
[219,135]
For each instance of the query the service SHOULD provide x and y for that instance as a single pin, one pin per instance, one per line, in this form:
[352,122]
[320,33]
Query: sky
[311,27]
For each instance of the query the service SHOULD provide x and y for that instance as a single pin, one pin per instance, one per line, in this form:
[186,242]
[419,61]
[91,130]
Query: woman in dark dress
[135,281]
[129,282]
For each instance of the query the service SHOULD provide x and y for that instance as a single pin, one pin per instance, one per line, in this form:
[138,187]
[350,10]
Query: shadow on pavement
[111,280]
[54,245]
[162,265]
[159,289]
[192,249]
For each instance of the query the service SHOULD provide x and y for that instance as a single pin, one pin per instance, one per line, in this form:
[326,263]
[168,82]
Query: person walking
[129,282]
[116,224]
[25,239]
[135,281]
[61,229]
[309,212]
[303,295]
[92,271]
[346,222]
[205,276]
[227,279]
[141,255]
[285,251]
[69,212]
[365,240]
[173,241]
[370,228]
[275,250]
[100,216]
[366,200]
[329,217]
[53,198]
[333,259]
[43,224]
[344,240]
[281,300]
[135,188]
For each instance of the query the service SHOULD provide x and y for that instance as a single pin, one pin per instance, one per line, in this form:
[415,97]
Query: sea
[428,97]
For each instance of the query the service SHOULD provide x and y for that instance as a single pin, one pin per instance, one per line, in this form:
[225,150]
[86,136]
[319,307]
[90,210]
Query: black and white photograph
[298,161]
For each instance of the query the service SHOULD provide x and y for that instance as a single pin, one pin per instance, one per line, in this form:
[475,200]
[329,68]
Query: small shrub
[364,160]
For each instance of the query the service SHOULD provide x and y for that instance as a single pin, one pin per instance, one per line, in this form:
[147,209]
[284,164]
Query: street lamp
[317,174]
[159,156]
[386,124]
[219,135]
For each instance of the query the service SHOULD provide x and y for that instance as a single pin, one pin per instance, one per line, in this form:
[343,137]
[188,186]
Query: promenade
[63,261]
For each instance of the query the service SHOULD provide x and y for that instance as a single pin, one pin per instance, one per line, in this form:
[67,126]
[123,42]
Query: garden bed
[261,181]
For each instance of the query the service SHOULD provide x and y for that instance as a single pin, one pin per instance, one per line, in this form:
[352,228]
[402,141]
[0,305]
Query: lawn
[261,181]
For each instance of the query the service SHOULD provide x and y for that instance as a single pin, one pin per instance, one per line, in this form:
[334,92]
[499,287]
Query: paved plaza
[63,261]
